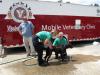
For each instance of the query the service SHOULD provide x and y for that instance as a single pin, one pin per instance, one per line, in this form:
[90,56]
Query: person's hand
[58,47]
[20,32]
[51,47]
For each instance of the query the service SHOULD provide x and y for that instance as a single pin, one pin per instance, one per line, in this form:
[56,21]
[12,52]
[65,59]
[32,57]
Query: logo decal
[19,10]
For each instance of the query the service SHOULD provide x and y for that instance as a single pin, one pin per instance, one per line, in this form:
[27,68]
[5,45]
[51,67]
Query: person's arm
[48,43]
[68,44]
[32,26]
[20,30]
[56,43]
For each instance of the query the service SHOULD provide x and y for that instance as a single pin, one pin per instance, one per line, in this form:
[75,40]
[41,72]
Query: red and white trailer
[80,22]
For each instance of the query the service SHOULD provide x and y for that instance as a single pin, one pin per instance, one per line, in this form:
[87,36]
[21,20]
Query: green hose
[27,58]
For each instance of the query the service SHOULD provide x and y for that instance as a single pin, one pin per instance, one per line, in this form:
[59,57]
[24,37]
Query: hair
[60,34]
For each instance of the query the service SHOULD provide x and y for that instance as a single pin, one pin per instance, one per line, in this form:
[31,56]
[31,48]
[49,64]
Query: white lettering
[58,27]
[11,28]
[90,26]
[67,27]
[50,27]
[83,27]
[44,27]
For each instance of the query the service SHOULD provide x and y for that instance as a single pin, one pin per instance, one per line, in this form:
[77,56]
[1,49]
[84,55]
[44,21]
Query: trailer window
[77,24]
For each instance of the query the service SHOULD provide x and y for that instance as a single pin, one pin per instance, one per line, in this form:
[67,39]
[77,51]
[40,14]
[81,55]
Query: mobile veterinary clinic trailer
[80,22]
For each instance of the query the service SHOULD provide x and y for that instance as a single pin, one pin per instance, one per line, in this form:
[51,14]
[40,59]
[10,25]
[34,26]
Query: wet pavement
[85,60]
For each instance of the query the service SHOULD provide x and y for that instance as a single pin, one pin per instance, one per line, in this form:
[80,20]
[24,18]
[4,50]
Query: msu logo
[19,10]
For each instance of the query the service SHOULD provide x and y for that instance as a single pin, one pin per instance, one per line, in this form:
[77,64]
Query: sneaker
[33,55]
[28,55]
[2,56]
